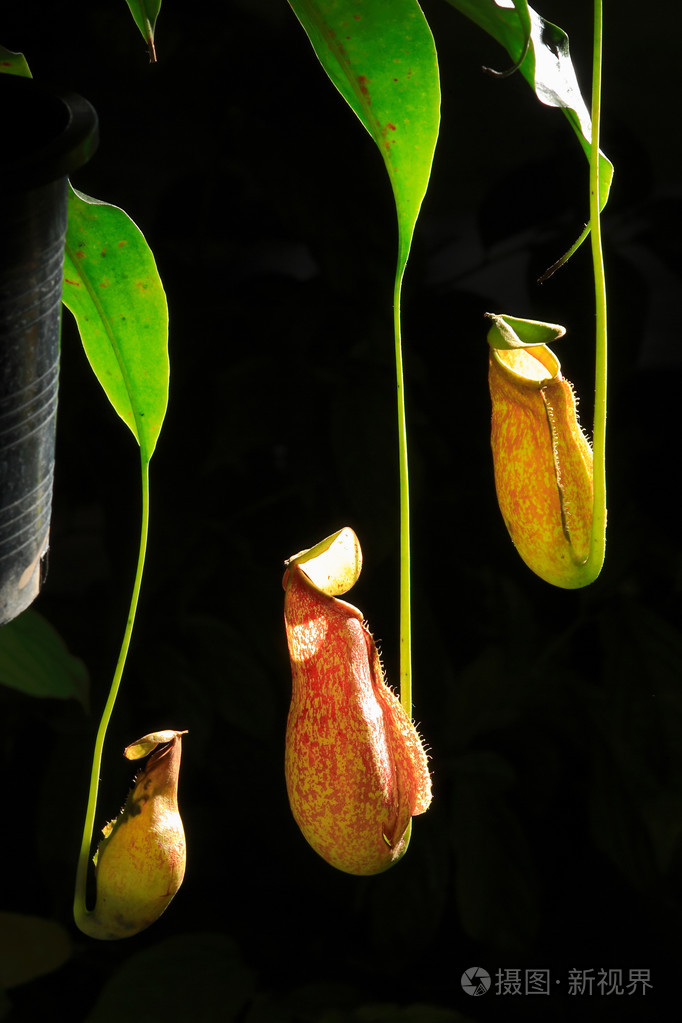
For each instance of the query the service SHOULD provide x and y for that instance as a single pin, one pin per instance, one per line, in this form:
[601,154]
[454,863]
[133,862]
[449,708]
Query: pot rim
[51,132]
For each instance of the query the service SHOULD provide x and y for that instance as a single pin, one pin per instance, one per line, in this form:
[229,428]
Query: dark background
[554,718]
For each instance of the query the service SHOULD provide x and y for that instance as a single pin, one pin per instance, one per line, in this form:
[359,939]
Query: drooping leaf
[546,65]
[113,289]
[145,13]
[13,63]
[35,660]
[381,56]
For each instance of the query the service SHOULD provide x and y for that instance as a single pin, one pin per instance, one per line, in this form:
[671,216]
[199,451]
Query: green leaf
[381,56]
[546,66]
[35,660]
[113,289]
[145,13]
[13,63]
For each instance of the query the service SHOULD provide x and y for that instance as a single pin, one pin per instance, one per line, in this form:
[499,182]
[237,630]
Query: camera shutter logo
[475,980]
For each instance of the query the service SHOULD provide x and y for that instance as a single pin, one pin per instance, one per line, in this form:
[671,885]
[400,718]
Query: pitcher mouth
[530,367]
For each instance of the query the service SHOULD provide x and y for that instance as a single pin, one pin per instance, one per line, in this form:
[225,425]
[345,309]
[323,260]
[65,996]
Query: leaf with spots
[12,63]
[381,56]
[113,289]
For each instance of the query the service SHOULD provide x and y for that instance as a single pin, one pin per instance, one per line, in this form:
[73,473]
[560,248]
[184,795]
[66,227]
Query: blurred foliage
[34,660]
[29,948]
[553,718]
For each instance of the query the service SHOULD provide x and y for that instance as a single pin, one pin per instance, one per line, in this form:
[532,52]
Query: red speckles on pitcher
[356,769]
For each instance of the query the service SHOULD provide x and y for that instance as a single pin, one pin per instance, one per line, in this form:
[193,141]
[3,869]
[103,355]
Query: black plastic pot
[45,135]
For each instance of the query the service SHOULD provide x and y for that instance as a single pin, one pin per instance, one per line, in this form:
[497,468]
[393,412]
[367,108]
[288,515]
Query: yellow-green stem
[80,910]
[598,546]
[405,611]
